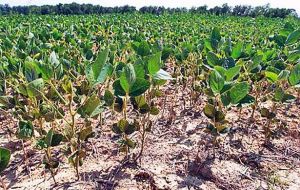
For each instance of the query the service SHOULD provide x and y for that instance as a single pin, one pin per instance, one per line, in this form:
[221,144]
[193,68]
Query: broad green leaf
[91,107]
[294,55]
[294,77]
[280,40]
[216,35]
[219,116]
[99,62]
[154,63]
[293,37]
[106,71]
[215,38]
[128,77]
[221,70]
[232,72]
[35,87]
[154,110]
[143,48]
[90,74]
[271,76]
[139,87]
[216,82]
[238,92]
[118,90]
[247,100]
[213,59]
[48,138]
[256,60]
[129,129]
[108,98]
[116,129]
[139,69]
[237,50]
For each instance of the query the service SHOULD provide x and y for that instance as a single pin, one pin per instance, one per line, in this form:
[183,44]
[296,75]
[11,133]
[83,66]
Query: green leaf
[4,158]
[129,129]
[288,98]
[139,87]
[139,69]
[123,124]
[106,71]
[99,62]
[118,90]
[143,48]
[216,82]
[237,50]
[35,87]
[54,59]
[238,92]
[280,40]
[271,76]
[293,37]
[115,128]
[92,107]
[85,133]
[232,72]
[256,60]
[53,139]
[279,94]
[294,55]
[216,35]
[213,59]
[219,116]
[130,143]
[247,100]
[25,130]
[154,63]
[294,77]
[210,111]
[283,75]
[108,98]
[266,113]
[140,101]
[145,108]
[90,74]
[154,110]
[127,78]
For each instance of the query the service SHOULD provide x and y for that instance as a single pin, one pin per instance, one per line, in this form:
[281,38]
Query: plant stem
[25,157]
[125,106]
[255,101]
[58,94]
[48,155]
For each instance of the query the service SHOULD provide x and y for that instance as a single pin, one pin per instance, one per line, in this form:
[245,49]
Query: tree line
[79,9]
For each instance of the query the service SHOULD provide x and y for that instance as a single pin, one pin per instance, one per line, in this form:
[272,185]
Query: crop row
[58,74]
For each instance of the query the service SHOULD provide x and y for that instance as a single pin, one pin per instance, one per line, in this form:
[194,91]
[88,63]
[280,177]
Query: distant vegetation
[79,9]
